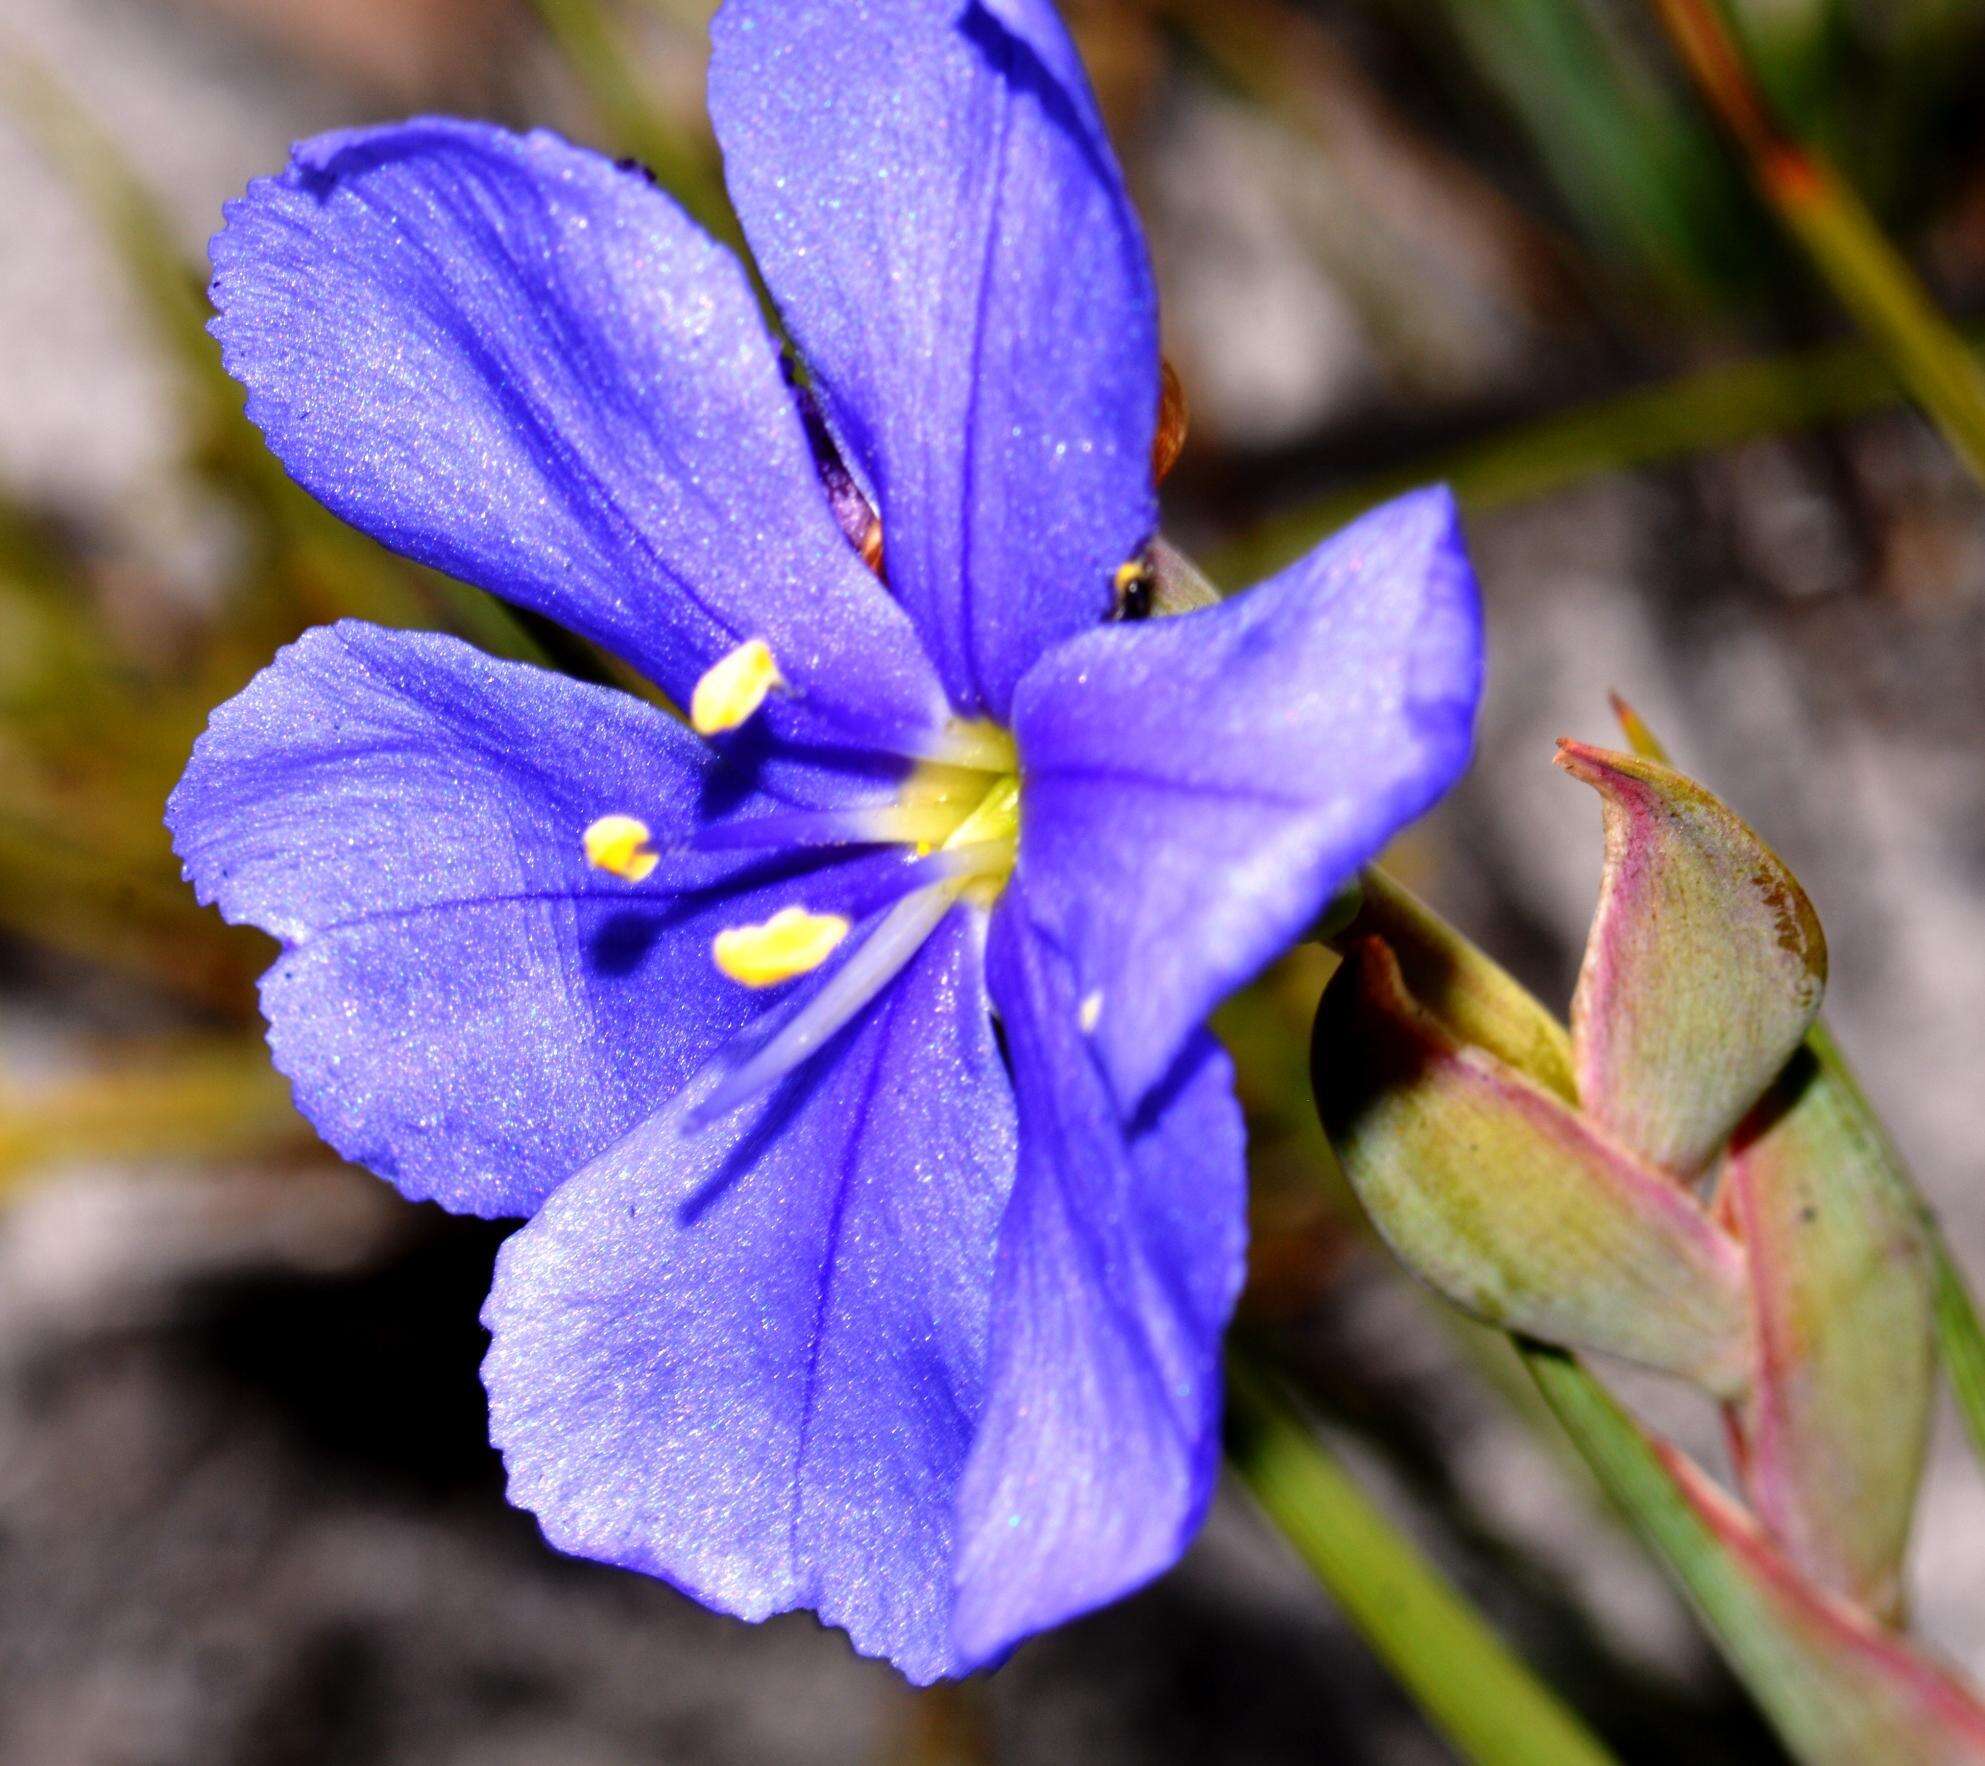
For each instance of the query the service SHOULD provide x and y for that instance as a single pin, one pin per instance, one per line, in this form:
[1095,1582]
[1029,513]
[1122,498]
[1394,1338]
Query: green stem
[1833,1701]
[1962,1342]
[1878,287]
[1628,1469]
[1487,1704]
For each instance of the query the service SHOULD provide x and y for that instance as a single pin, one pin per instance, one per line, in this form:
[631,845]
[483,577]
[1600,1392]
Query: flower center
[958,813]
[966,817]
[964,824]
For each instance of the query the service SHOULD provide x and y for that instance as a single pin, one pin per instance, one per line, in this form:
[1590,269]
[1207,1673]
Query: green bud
[1473,996]
[1497,1193]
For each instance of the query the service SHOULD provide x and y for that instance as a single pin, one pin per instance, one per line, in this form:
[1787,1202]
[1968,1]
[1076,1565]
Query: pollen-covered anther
[793,942]
[733,687]
[618,845]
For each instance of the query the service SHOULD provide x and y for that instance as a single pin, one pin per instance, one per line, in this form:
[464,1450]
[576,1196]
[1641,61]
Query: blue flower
[845,1050]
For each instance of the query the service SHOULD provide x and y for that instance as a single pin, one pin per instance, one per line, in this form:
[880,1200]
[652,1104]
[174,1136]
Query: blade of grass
[1696,413]
[1846,246]
[1624,1461]
[206,1099]
[1487,1704]
[1963,1344]
[639,124]
[75,901]
[1636,167]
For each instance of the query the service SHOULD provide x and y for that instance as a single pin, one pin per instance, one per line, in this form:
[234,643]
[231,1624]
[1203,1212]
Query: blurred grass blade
[1840,1691]
[155,1102]
[79,901]
[638,122]
[1867,274]
[1963,1344]
[1695,413]
[1639,171]
[1487,1704]
[1878,287]
[1801,51]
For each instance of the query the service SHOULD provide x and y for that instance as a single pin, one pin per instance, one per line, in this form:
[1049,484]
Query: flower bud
[1704,967]
[1498,1194]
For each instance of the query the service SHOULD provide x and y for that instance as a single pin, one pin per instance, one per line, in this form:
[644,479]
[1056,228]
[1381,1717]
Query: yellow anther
[1090,1013]
[793,942]
[619,845]
[733,687]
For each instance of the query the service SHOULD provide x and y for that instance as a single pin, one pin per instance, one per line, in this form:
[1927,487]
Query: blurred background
[247,1508]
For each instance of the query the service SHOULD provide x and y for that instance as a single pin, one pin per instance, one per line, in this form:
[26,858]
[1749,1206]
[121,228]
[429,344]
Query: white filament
[876,962]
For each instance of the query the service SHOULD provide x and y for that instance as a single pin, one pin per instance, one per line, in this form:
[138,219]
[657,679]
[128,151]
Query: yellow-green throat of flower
[957,810]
